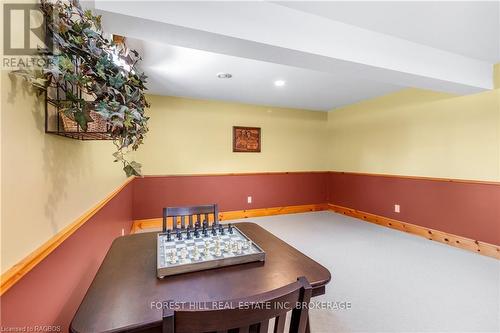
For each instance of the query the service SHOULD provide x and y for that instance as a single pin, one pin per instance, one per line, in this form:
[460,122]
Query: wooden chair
[238,316]
[198,211]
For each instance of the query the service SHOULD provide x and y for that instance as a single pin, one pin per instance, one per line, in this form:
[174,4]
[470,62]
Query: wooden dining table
[125,290]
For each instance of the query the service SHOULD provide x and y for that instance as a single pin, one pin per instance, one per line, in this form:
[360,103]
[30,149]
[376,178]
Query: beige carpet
[395,282]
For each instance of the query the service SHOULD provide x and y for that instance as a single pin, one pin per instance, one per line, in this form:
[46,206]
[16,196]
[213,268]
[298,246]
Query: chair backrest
[243,315]
[202,214]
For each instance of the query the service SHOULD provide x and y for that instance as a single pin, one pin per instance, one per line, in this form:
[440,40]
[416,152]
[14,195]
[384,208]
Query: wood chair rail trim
[451,180]
[465,243]
[437,179]
[16,272]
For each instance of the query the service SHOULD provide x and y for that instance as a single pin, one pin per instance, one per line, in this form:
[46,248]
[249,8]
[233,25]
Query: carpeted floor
[394,282]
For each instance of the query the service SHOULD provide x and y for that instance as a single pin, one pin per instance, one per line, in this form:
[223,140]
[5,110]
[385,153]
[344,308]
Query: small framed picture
[246,139]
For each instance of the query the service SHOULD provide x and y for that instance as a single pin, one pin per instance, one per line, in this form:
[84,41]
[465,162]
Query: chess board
[204,252]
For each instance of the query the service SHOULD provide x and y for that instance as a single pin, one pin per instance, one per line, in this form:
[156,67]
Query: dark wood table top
[119,299]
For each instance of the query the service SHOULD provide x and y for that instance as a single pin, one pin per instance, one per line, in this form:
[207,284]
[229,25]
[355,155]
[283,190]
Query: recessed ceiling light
[224,75]
[279,83]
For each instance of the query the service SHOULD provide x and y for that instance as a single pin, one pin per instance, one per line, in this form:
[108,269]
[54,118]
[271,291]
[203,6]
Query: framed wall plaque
[246,139]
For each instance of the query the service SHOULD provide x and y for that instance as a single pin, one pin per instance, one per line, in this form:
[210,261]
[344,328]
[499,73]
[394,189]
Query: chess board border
[162,272]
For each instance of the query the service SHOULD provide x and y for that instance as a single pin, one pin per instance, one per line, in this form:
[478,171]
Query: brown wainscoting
[155,223]
[16,272]
[56,277]
[483,248]
[229,191]
[469,209]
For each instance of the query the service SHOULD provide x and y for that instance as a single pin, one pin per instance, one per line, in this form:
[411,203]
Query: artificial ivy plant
[106,71]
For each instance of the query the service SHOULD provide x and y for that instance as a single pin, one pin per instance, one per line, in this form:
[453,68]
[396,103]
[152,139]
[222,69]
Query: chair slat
[279,324]
[216,215]
[168,321]
[164,226]
[264,326]
[300,315]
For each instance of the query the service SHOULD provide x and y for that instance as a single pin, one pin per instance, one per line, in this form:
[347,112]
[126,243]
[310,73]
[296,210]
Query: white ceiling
[180,71]
[470,28]
[329,53]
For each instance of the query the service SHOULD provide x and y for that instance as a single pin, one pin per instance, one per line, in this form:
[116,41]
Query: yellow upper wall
[419,133]
[47,181]
[195,136]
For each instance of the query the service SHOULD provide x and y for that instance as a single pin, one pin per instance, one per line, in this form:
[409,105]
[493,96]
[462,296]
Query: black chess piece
[188,233]
[196,232]
[179,235]
[205,232]
[214,231]
[169,238]
[221,229]
[230,228]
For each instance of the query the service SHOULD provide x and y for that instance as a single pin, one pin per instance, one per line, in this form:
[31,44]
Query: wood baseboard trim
[448,180]
[140,225]
[16,272]
[468,244]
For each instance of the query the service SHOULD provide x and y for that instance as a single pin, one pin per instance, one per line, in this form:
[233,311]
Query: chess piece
[230,228]
[205,232]
[221,230]
[184,253]
[196,253]
[173,257]
[196,232]
[169,237]
[188,233]
[206,251]
[179,235]
[214,231]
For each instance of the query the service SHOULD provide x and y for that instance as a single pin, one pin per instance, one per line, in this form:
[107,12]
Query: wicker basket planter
[56,122]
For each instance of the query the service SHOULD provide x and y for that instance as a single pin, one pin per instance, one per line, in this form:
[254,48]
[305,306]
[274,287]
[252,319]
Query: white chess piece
[196,253]
[183,253]
[173,258]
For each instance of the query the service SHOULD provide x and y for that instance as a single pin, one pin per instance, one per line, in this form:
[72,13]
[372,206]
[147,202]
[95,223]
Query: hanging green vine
[106,71]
